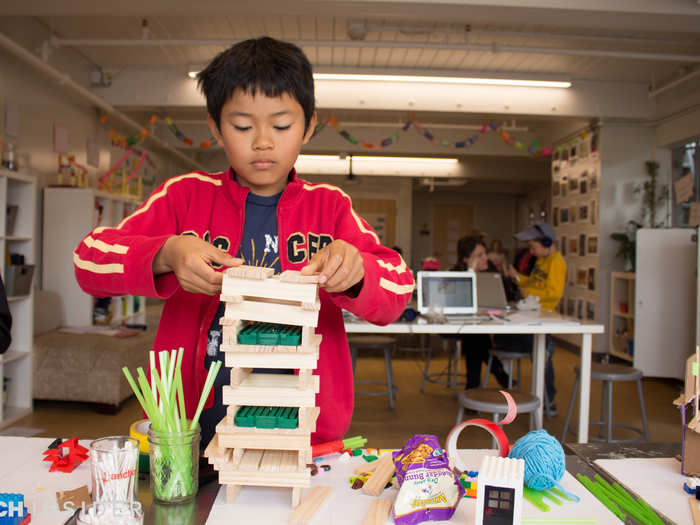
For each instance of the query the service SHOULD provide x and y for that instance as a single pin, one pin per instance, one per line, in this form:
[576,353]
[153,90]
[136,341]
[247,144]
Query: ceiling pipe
[491,48]
[64,80]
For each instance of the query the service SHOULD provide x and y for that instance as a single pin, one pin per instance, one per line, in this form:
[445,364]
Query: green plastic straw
[597,491]
[211,376]
[535,497]
[624,500]
[563,521]
[137,392]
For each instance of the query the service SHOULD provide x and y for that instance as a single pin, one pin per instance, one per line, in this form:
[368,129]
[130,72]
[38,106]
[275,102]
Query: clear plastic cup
[114,468]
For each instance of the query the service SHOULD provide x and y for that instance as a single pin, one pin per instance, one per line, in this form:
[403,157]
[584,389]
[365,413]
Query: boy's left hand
[340,266]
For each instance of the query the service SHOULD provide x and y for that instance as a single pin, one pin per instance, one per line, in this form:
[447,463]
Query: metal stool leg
[642,408]
[574,393]
[389,376]
[610,410]
[494,443]
[488,371]
[460,414]
[520,381]
[427,366]
[603,400]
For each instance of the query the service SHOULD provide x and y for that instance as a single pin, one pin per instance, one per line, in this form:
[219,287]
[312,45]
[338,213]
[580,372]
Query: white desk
[538,324]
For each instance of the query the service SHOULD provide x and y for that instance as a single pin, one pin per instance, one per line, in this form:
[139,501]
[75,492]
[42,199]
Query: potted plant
[628,244]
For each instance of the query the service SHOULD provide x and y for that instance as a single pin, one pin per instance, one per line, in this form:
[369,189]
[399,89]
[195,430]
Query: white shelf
[13,355]
[12,414]
[18,189]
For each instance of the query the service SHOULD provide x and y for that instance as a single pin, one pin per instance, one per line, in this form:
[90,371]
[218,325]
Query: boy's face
[262,137]
[537,249]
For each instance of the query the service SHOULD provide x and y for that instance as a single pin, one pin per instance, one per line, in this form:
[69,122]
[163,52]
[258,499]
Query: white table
[536,323]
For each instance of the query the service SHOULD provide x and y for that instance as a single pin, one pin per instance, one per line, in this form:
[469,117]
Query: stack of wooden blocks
[275,455]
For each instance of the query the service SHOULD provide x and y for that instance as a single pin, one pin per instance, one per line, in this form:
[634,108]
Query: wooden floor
[432,412]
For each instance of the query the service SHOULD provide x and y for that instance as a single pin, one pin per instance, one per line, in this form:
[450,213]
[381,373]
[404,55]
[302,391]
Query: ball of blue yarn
[544,459]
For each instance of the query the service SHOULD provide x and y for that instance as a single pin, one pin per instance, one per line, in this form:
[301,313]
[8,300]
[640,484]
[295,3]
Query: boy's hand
[189,257]
[512,272]
[340,265]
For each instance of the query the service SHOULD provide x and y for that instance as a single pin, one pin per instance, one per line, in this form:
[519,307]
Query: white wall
[624,149]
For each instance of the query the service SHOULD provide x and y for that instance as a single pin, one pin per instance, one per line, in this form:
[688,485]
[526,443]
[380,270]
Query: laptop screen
[447,292]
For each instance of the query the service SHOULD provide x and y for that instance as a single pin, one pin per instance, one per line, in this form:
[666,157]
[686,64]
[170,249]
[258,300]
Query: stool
[507,357]
[609,373]
[375,342]
[492,401]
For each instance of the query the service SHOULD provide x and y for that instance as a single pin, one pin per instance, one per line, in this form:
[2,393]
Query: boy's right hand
[189,257]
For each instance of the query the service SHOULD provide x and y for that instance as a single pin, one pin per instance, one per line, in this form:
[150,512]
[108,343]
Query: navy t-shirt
[259,247]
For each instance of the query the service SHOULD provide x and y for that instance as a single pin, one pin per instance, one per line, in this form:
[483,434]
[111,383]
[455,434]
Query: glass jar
[174,464]
[114,468]
[111,513]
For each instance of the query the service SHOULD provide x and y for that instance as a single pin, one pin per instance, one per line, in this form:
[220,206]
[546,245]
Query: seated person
[547,282]
[471,255]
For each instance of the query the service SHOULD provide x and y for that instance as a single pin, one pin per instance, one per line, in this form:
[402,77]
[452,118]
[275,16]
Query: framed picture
[573,246]
[573,185]
[593,181]
[573,153]
[582,244]
[555,217]
[555,188]
[564,185]
[592,245]
[592,212]
[565,154]
[590,311]
[583,213]
[584,148]
[583,186]
[563,245]
[594,144]
[572,213]
[572,275]
[591,279]
[571,307]
[581,277]
[564,212]
[579,309]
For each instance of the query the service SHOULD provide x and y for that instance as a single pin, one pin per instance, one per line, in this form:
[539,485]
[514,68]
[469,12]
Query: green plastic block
[291,336]
[356,452]
[247,336]
[369,459]
[268,335]
[266,417]
[288,418]
[244,417]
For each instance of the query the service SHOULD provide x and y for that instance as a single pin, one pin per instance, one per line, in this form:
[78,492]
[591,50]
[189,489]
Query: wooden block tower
[265,438]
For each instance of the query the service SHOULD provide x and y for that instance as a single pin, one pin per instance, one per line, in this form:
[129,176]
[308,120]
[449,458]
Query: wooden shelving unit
[621,330]
[19,191]
[69,214]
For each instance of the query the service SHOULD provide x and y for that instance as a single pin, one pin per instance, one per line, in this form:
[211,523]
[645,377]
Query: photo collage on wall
[575,197]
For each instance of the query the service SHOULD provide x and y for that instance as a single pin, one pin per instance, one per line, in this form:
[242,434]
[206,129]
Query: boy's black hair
[259,65]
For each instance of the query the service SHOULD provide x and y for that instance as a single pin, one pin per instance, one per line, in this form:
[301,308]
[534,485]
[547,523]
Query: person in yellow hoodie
[547,282]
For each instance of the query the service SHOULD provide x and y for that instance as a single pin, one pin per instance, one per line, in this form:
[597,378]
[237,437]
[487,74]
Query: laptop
[492,294]
[452,294]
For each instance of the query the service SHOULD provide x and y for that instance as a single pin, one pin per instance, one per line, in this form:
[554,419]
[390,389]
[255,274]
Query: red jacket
[117,261]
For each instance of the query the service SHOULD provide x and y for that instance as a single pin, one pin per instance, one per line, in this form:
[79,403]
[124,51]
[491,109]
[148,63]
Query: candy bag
[428,489]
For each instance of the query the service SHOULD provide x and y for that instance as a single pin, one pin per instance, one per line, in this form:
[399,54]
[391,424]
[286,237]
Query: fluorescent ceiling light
[444,80]
[381,166]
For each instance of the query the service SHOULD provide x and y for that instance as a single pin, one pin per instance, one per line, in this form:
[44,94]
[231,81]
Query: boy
[260,104]
[547,282]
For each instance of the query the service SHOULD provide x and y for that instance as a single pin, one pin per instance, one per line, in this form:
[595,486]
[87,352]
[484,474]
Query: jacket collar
[238,193]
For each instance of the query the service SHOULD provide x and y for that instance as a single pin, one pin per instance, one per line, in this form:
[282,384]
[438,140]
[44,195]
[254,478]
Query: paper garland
[534,149]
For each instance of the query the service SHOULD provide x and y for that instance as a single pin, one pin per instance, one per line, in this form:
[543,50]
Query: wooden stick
[380,477]
[378,512]
[303,514]
[367,467]
[695,510]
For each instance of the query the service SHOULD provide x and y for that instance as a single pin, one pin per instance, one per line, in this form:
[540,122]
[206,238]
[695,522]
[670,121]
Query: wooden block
[304,378]
[231,298]
[250,461]
[695,510]
[76,497]
[380,477]
[309,337]
[271,359]
[238,375]
[378,512]
[271,390]
[306,510]
[236,457]
[367,467]
[307,418]
[272,313]
[249,272]
[229,334]
[265,479]
[304,458]
[296,496]
[294,276]
[269,289]
[277,439]
[232,493]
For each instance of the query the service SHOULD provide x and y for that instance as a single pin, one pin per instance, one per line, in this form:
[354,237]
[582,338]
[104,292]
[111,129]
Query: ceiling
[645,42]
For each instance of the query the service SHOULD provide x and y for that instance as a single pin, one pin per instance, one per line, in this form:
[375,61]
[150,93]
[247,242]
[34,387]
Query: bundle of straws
[164,404]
